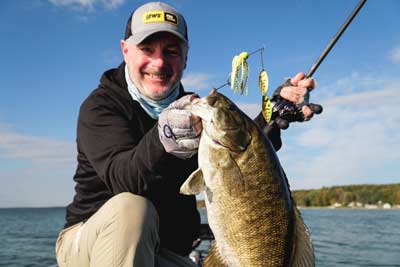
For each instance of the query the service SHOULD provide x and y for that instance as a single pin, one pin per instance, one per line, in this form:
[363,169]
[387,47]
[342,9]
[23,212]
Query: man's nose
[158,59]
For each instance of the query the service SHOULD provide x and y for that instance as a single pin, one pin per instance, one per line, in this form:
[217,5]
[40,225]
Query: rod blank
[334,39]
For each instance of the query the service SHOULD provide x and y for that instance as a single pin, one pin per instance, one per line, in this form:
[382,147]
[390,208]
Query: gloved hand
[179,130]
[291,101]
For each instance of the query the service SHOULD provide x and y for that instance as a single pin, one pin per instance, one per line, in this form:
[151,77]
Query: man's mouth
[163,76]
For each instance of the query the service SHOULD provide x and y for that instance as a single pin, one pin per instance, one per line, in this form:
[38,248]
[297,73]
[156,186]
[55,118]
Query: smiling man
[156,64]
[136,146]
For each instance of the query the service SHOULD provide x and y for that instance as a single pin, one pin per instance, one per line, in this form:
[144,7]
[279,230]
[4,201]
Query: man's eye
[173,52]
[145,49]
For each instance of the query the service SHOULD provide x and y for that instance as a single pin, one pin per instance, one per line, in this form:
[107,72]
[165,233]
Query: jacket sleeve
[123,158]
[272,132]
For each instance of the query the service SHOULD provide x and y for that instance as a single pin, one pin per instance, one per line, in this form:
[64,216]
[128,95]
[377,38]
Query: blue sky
[53,53]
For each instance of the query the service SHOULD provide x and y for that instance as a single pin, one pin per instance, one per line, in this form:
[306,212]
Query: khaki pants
[123,233]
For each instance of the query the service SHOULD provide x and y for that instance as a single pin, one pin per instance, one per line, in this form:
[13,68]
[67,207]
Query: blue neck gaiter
[152,107]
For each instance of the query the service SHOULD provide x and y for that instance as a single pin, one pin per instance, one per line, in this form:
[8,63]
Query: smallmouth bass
[249,206]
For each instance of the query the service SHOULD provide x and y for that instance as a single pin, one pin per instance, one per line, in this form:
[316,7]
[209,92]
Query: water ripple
[340,237]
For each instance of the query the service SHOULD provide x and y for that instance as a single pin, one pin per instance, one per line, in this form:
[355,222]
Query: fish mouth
[202,110]
[225,136]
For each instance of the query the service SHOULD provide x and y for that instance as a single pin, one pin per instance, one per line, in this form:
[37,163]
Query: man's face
[156,64]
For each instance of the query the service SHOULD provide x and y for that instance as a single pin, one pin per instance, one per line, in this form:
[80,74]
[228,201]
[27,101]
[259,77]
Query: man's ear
[185,50]
[124,48]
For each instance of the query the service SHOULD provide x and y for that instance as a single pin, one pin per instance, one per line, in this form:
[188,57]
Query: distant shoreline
[347,208]
[201,204]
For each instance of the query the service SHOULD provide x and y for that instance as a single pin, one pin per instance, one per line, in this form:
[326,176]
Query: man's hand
[297,92]
[179,130]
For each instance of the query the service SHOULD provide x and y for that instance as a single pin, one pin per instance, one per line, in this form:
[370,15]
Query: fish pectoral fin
[303,250]
[194,184]
[233,179]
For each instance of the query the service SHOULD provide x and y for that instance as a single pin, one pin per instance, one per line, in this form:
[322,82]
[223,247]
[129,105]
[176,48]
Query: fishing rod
[282,110]
[335,39]
[280,119]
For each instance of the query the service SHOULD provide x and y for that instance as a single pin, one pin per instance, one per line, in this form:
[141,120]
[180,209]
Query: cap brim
[140,37]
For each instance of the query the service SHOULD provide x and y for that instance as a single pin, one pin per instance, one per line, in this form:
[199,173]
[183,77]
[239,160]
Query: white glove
[179,129]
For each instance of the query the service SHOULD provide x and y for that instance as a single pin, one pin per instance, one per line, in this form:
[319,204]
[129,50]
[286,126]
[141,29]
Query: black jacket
[119,151]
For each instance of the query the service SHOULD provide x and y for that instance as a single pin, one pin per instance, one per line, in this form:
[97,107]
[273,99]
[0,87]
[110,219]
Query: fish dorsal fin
[213,258]
[194,184]
[303,251]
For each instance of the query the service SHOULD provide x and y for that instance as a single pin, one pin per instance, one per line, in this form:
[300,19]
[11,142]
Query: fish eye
[211,100]
[231,107]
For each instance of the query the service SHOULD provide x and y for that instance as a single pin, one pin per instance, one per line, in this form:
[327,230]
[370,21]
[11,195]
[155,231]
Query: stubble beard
[156,95]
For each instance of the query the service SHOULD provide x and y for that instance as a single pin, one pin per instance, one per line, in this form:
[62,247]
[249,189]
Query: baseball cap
[155,17]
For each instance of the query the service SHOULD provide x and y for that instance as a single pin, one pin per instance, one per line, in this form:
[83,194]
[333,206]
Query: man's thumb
[296,79]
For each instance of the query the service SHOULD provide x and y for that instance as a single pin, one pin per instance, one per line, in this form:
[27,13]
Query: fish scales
[247,197]
[260,200]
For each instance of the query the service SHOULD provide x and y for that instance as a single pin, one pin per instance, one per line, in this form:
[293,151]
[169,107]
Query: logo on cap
[159,16]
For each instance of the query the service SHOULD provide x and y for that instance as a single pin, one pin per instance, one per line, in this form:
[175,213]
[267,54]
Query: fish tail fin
[213,258]
[303,250]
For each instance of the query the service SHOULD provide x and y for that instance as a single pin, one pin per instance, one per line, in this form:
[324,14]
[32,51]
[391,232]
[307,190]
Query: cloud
[355,140]
[88,4]
[35,149]
[355,82]
[197,81]
[371,98]
[394,55]
[251,109]
[40,185]
[39,169]
[111,4]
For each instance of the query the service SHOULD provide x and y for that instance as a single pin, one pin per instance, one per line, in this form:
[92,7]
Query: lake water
[341,237]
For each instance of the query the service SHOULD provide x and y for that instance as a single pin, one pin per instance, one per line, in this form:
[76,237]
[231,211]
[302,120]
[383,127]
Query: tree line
[365,194]
[327,196]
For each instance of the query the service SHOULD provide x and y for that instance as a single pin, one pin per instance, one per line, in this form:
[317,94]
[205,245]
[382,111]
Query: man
[136,146]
